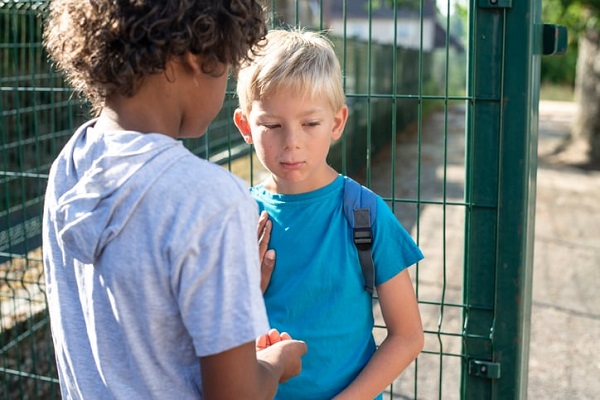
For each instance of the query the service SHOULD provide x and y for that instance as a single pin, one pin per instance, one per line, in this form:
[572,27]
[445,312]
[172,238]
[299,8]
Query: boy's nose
[292,139]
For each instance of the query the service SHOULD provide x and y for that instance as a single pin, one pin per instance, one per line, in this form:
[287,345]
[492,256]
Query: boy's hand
[271,338]
[279,349]
[267,256]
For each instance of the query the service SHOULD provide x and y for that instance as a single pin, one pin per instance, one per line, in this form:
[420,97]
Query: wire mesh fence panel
[405,74]
[37,116]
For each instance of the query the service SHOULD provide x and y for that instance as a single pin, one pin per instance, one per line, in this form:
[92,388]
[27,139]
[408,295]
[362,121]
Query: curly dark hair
[107,46]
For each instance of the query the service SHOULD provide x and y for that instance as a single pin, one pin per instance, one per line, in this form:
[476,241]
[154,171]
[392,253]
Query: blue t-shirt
[316,292]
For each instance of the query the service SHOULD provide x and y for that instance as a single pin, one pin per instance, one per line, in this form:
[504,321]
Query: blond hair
[297,61]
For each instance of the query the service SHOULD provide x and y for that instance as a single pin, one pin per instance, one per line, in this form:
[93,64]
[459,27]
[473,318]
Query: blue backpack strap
[360,208]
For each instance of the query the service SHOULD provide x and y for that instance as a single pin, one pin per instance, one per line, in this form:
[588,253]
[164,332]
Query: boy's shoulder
[357,196]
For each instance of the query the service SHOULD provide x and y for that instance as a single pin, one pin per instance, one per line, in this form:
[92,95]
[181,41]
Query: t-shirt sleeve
[393,248]
[217,283]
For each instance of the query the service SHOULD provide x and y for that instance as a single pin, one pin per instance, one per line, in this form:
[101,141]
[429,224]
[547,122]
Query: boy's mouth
[292,164]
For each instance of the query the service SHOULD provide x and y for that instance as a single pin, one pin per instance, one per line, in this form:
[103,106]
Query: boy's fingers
[262,342]
[266,269]
[267,257]
[270,338]
[264,235]
[274,336]
[262,223]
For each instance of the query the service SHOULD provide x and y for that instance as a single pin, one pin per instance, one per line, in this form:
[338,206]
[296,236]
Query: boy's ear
[239,119]
[339,122]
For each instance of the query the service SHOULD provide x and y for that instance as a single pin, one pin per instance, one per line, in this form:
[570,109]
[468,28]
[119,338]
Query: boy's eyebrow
[309,112]
[313,111]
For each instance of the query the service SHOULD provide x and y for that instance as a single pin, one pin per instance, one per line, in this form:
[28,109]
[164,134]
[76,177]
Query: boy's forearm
[389,361]
[268,378]
[241,373]
[277,363]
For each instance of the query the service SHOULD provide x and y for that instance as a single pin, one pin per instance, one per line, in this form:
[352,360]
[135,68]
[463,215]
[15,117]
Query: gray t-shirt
[151,261]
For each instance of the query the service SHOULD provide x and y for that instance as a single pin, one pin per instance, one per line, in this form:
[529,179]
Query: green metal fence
[442,124]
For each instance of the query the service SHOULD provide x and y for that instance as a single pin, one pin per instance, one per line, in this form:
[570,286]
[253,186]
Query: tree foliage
[576,15]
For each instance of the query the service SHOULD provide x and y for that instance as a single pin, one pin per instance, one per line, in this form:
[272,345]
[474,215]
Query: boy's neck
[277,186]
[148,111]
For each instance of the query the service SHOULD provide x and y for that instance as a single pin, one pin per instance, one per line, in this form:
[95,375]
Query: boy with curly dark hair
[150,253]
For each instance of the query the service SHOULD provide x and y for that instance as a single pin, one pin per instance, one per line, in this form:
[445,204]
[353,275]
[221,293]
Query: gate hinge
[554,39]
[484,369]
[495,4]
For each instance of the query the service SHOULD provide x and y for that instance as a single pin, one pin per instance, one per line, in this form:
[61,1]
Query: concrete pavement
[564,360]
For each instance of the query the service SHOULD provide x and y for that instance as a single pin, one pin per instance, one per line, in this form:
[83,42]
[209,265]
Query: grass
[555,92]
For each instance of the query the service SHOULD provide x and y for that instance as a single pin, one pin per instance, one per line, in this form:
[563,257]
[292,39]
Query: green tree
[561,70]
[582,19]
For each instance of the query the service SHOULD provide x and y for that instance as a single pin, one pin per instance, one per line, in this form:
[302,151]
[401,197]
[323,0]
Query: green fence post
[518,170]
[482,142]
[502,148]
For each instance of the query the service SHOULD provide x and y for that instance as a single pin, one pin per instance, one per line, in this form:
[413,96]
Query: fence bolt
[484,369]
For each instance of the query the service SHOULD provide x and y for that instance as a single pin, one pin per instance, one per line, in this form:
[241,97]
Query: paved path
[564,358]
[565,328]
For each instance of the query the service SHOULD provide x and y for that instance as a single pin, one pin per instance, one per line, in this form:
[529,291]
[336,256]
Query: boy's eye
[313,123]
[271,126]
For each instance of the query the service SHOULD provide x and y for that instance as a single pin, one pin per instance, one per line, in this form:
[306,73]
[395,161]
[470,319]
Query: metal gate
[443,124]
